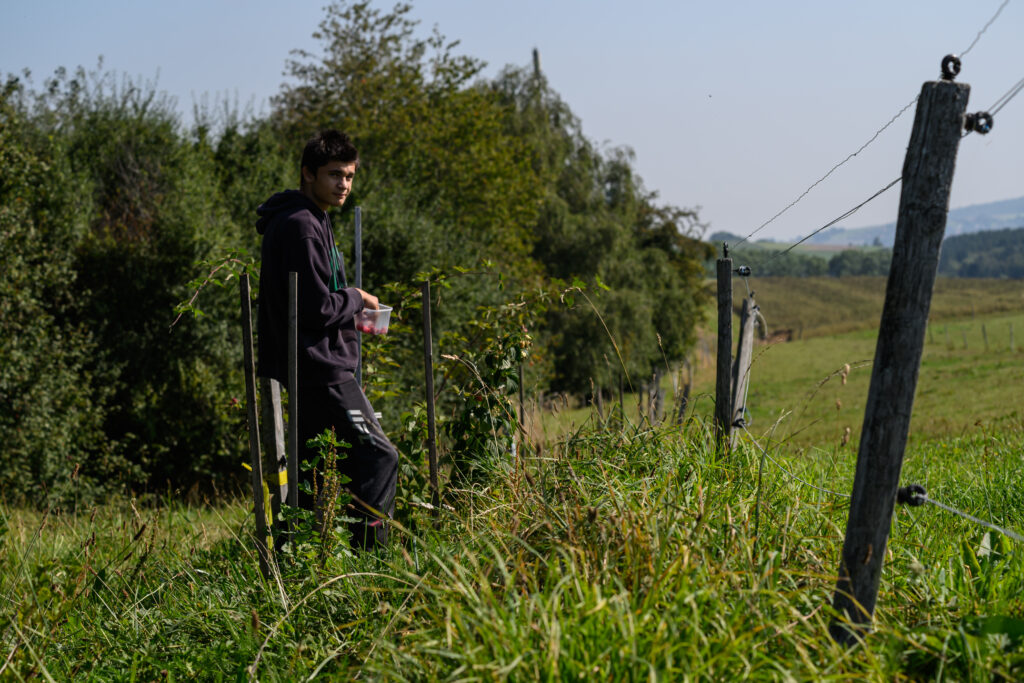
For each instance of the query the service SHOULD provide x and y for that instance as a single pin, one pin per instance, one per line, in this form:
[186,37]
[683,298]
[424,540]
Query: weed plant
[618,554]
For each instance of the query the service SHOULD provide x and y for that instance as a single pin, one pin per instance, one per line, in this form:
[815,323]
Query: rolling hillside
[1008,213]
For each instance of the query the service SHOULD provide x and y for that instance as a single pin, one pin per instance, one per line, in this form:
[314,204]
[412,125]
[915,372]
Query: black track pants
[371,463]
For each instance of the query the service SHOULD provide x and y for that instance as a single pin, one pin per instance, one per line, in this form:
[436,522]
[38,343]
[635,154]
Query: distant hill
[1008,213]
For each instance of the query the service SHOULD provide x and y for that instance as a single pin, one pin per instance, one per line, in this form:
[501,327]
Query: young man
[298,237]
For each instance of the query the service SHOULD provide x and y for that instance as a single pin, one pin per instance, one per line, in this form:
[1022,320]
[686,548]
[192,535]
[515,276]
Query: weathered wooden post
[723,378]
[428,362]
[741,367]
[984,336]
[249,366]
[274,460]
[924,203]
[293,389]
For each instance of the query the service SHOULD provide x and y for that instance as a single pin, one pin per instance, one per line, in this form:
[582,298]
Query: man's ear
[308,176]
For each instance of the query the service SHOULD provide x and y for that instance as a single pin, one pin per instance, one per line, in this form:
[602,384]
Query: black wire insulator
[913,495]
[980,122]
[950,67]
[743,271]
[740,423]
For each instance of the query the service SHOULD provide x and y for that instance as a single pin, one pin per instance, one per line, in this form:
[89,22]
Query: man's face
[331,185]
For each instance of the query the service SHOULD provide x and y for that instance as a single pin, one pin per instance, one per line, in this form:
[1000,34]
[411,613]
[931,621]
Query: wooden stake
[428,363]
[249,367]
[741,368]
[274,459]
[723,378]
[293,389]
[924,203]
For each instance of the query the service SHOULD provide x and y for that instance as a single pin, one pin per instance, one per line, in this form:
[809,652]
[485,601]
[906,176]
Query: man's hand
[369,300]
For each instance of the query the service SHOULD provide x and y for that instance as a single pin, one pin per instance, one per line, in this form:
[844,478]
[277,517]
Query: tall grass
[608,555]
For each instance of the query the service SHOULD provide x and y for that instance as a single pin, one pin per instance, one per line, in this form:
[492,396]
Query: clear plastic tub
[370,321]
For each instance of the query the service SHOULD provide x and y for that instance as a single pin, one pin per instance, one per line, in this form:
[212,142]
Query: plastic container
[370,321]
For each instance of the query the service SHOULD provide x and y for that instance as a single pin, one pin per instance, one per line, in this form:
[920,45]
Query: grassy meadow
[621,552]
[969,375]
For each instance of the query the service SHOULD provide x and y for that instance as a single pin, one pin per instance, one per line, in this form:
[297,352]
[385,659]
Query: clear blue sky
[734,107]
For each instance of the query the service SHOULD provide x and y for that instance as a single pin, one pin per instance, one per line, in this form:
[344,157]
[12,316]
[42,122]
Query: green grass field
[969,376]
[618,553]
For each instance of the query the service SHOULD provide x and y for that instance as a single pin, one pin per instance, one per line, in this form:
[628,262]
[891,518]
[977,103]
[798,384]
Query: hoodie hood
[289,200]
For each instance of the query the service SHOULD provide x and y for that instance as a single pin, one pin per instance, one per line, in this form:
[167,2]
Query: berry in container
[371,321]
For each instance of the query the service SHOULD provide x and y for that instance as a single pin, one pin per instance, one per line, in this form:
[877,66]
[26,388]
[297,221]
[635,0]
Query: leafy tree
[431,143]
[597,223]
[860,262]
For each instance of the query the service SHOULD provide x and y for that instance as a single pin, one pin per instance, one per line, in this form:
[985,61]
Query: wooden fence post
[723,378]
[293,389]
[741,368]
[924,203]
[984,336]
[428,362]
[274,459]
[254,431]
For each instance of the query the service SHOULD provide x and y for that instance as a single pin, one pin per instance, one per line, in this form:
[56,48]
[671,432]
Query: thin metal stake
[428,362]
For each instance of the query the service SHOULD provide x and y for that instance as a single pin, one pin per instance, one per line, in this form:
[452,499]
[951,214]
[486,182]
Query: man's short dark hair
[327,146]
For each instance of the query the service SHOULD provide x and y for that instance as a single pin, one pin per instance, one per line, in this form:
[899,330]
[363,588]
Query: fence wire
[743,426]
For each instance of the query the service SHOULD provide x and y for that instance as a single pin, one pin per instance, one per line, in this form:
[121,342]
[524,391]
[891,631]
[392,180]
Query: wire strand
[985,28]
[1005,99]
[876,134]
[787,472]
[1006,532]
[832,222]
[830,172]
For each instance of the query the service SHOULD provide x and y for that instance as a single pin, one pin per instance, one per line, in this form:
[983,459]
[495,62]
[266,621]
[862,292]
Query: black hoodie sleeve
[319,307]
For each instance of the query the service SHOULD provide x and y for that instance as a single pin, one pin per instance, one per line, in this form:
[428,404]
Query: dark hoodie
[297,236]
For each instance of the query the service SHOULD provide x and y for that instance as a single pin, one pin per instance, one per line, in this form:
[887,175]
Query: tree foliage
[994,253]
